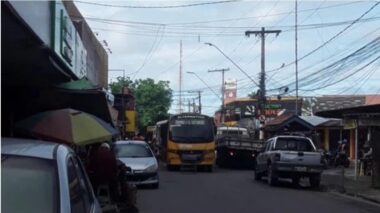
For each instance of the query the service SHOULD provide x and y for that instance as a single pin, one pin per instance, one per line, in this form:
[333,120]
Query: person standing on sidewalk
[341,155]
[367,158]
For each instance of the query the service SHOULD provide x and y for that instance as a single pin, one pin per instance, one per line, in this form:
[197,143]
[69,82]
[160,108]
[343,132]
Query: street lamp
[234,63]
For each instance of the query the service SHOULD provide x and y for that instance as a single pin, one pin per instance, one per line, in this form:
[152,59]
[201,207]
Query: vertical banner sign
[66,41]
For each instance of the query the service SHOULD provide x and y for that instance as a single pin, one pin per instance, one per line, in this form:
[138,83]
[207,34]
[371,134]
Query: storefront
[43,48]
[364,127]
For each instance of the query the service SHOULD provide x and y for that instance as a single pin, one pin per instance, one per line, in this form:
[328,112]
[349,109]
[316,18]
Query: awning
[368,110]
[288,123]
[82,84]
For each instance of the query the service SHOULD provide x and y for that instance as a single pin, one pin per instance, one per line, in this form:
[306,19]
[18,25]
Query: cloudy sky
[338,44]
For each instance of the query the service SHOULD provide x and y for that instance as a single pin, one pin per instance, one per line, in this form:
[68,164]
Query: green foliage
[153,99]
[118,85]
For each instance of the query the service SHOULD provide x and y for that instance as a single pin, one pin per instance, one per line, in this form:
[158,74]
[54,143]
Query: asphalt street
[235,191]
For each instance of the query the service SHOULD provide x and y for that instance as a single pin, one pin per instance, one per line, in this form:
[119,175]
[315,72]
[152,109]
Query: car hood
[139,163]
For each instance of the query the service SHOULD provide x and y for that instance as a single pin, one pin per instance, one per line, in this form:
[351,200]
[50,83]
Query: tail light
[277,157]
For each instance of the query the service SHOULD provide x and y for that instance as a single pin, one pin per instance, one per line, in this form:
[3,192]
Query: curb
[357,198]
[335,189]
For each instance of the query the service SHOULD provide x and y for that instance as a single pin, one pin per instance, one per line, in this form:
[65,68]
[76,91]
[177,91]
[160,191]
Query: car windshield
[132,151]
[294,144]
[28,185]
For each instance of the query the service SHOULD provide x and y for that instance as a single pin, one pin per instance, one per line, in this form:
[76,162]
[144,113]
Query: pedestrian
[138,137]
[367,158]
[102,167]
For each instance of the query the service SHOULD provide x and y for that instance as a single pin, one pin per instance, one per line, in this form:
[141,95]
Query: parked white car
[139,157]
[39,176]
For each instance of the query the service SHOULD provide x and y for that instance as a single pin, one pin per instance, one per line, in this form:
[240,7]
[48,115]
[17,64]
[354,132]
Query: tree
[120,82]
[153,101]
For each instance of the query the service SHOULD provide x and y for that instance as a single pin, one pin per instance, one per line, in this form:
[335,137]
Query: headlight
[151,168]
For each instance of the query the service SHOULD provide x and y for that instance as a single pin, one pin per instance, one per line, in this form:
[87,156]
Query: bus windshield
[191,129]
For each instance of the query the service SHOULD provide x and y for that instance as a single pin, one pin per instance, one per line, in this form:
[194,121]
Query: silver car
[139,157]
[41,176]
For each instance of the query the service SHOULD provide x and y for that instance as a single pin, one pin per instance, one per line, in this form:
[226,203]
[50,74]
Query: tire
[155,185]
[170,167]
[346,163]
[295,181]
[209,168]
[272,180]
[315,180]
[257,175]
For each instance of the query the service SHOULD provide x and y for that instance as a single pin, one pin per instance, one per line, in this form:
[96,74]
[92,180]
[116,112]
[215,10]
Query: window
[28,185]
[132,151]
[80,197]
[294,144]
[268,145]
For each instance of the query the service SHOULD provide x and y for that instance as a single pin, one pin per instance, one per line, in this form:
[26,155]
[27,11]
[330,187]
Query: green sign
[66,41]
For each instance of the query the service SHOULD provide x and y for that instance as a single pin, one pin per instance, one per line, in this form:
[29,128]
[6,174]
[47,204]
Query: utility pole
[199,99]
[194,105]
[223,88]
[261,99]
[188,102]
[180,76]
[296,53]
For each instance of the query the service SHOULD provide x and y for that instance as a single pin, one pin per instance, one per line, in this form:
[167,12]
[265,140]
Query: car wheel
[257,175]
[209,168]
[295,181]
[170,167]
[315,180]
[272,180]
[156,185]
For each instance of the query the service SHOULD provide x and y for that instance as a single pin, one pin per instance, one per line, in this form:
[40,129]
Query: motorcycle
[342,160]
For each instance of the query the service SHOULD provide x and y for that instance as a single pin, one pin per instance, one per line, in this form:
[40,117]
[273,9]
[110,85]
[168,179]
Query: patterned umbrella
[67,126]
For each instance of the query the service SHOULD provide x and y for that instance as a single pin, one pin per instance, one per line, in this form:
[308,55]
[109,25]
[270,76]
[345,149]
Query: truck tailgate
[301,158]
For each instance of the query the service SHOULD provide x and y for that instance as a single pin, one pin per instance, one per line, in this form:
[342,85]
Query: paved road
[235,191]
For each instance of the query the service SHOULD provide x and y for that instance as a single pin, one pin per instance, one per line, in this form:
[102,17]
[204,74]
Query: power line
[150,53]
[344,78]
[253,17]
[331,57]
[232,29]
[332,38]
[325,77]
[157,7]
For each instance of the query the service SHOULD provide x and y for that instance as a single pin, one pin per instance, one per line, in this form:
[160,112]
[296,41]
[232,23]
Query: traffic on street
[190,106]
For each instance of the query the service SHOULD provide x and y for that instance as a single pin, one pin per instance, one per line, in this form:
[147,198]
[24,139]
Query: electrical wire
[157,7]
[331,39]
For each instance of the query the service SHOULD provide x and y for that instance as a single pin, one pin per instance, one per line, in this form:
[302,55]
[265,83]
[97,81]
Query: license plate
[189,157]
[234,143]
[300,169]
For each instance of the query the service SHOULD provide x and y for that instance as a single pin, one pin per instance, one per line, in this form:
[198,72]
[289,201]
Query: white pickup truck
[289,156]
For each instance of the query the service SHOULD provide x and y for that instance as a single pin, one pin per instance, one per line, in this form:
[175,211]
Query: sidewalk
[333,180]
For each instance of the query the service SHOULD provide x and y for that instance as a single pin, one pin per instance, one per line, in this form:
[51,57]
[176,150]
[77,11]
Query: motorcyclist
[341,156]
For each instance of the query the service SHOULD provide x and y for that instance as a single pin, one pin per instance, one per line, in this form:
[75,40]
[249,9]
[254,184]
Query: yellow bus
[187,139]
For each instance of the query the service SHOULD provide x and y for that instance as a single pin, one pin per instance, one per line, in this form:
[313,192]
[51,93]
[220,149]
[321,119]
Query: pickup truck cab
[289,156]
